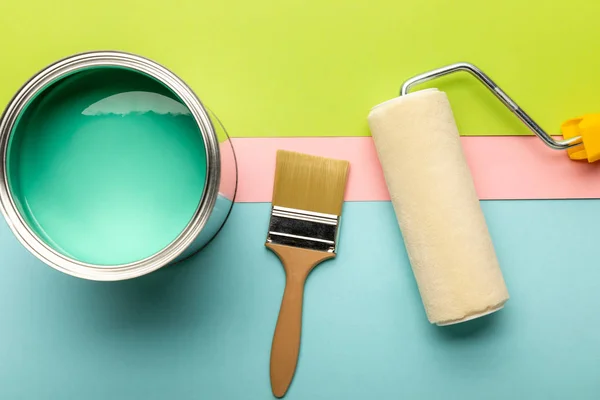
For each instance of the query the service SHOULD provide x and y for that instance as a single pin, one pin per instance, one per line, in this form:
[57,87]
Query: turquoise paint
[107,166]
[202,329]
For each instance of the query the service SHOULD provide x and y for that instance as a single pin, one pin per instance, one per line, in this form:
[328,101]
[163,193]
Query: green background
[315,67]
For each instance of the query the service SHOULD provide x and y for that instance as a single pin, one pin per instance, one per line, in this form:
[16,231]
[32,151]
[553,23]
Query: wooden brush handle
[297,264]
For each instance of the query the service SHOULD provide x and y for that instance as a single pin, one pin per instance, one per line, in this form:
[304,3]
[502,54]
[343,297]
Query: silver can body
[221,175]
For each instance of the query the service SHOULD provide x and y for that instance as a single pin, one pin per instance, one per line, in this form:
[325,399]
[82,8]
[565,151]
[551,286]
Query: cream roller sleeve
[432,191]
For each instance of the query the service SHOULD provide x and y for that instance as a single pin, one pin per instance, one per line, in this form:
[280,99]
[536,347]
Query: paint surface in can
[107,166]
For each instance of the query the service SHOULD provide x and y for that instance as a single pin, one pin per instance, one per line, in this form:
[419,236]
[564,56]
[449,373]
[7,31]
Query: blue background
[202,329]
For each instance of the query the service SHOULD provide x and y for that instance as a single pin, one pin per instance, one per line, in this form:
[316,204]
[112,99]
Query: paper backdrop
[315,68]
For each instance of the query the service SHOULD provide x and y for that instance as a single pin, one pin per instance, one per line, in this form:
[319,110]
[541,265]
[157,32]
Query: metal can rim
[70,65]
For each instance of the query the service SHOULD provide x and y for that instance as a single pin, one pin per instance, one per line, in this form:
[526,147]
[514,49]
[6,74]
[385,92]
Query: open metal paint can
[112,167]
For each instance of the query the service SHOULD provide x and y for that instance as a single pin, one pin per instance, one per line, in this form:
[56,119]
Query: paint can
[112,167]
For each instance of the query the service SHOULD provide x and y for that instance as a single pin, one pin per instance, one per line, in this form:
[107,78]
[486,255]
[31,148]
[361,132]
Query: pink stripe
[503,167]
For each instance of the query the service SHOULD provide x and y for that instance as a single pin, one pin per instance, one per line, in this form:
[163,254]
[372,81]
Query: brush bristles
[310,183]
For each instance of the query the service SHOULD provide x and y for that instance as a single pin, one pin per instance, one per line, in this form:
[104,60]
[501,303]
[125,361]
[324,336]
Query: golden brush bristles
[310,183]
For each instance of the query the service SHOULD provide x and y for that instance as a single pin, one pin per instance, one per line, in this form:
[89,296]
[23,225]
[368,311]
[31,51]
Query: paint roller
[434,199]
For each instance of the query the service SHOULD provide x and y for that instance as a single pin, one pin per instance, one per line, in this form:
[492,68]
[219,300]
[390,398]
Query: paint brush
[308,195]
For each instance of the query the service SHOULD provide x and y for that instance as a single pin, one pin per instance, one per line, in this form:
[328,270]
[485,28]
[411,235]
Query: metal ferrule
[305,229]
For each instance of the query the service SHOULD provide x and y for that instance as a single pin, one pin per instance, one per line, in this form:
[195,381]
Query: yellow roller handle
[588,128]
